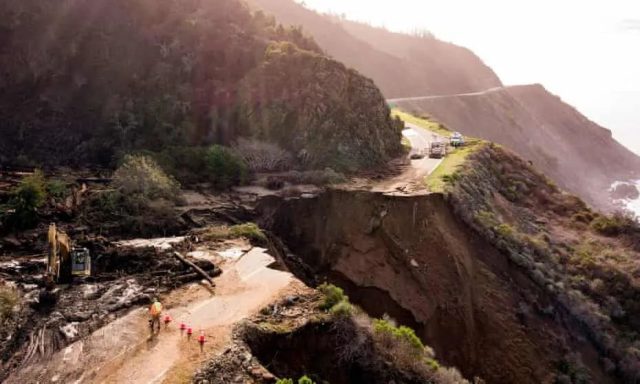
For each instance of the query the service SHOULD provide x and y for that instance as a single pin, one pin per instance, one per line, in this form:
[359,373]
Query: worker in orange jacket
[155,311]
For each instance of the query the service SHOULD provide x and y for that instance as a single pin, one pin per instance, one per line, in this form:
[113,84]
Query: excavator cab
[80,262]
[64,260]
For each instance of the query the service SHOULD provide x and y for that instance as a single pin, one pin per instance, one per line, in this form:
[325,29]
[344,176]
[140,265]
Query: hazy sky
[585,51]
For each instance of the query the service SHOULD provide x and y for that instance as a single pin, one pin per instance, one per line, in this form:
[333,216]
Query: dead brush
[261,156]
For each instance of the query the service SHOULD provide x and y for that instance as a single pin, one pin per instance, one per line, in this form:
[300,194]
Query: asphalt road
[412,179]
[431,97]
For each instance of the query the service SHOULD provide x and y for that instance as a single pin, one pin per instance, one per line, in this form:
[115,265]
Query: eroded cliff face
[412,258]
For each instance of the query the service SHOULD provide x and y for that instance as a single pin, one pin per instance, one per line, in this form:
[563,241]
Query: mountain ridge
[392,70]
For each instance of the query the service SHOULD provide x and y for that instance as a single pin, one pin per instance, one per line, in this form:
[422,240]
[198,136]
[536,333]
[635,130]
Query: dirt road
[121,352]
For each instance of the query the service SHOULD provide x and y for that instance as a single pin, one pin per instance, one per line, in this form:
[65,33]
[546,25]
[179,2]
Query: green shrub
[305,380]
[249,230]
[57,189]
[143,203]
[8,299]
[187,164]
[401,334]
[342,309]
[141,175]
[217,165]
[433,364]
[486,219]
[332,296]
[585,217]
[25,200]
[451,178]
[614,225]
[225,168]
[505,230]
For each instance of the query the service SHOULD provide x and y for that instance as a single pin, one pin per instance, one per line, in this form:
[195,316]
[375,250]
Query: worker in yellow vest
[155,310]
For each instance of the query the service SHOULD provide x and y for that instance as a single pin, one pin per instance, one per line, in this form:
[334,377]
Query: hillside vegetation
[585,261]
[319,110]
[401,65]
[85,82]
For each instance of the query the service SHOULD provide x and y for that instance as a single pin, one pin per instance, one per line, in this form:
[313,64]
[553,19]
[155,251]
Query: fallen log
[195,267]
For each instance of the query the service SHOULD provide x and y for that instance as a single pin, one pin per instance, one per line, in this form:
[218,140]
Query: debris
[195,267]
[70,330]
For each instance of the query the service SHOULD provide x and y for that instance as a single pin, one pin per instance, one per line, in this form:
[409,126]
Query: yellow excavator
[64,260]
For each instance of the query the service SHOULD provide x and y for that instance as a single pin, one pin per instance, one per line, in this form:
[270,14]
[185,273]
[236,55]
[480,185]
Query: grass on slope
[423,122]
[446,172]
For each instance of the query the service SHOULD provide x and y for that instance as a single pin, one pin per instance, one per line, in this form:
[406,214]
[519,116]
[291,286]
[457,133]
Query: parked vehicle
[456,139]
[417,154]
[437,150]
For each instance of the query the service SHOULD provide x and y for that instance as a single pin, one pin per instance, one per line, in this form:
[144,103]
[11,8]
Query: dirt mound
[412,258]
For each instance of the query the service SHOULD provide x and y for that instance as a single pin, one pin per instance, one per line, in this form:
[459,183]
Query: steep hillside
[318,109]
[85,81]
[401,65]
[576,153]
[506,276]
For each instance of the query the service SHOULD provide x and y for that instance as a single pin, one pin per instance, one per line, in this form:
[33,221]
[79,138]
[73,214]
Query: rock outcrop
[318,109]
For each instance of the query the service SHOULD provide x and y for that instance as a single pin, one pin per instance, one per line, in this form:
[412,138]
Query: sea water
[631,205]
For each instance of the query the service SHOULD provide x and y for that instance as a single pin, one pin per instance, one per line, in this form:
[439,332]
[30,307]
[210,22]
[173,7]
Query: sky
[585,51]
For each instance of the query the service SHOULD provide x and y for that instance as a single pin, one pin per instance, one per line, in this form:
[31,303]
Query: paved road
[431,97]
[412,179]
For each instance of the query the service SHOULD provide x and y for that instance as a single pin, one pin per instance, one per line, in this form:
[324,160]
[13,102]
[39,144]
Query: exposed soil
[292,337]
[410,257]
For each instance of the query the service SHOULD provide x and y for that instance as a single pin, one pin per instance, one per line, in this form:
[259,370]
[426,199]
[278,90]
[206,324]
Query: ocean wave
[631,205]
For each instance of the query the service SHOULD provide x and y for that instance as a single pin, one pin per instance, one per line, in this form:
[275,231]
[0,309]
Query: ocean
[631,205]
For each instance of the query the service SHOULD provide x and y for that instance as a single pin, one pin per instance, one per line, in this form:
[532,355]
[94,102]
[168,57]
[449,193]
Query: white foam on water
[632,205]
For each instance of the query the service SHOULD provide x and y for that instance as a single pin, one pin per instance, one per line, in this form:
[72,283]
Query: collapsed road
[123,352]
